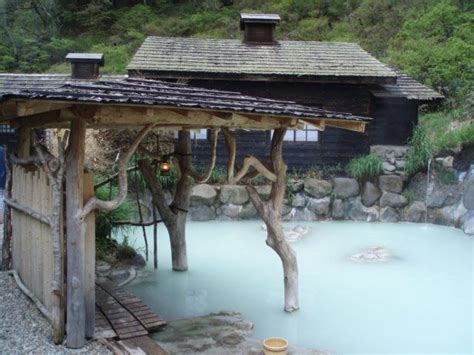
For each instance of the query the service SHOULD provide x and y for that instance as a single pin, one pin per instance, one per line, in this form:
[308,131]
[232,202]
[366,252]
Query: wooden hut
[330,75]
[38,213]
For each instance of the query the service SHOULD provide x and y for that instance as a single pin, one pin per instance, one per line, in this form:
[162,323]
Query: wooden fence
[32,243]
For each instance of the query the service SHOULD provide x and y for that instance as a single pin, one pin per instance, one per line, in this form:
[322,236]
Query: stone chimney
[259,28]
[85,65]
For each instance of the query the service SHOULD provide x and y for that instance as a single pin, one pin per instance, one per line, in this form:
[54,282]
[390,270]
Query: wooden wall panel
[32,249]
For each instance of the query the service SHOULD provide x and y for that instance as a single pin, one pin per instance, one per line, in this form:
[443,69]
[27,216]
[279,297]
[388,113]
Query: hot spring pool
[420,302]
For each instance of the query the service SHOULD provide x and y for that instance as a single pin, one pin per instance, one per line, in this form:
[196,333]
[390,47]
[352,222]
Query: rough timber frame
[52,114]
[26,114]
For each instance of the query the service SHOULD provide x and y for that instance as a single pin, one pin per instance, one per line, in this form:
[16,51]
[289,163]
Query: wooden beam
[355,126]
[318,124]
[33,107]
[8,109]
[127,117]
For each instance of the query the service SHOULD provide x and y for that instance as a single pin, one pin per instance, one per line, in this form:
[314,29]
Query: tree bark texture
[270,212]
[174,215]
[231,145]
[76,313]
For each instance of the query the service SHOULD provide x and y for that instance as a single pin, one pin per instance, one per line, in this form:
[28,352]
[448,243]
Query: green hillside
[431,40]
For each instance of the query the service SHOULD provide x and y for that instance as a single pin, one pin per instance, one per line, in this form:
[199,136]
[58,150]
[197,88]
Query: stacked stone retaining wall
[389,198]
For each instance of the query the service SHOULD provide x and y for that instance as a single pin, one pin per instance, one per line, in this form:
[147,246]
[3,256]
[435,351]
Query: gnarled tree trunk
[174,215]
[270,212]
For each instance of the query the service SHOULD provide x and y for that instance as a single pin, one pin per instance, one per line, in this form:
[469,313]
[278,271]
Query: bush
[125,251]
[420,152]
[366,167]
[104,222]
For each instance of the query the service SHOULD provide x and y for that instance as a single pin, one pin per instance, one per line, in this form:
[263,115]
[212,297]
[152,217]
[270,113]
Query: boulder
[384,151]
[468,198]
[358,212]
[388,168]
[287,209]
[231,211]
[319,206]
[303,214]
[295,185]
[400,164]
[298,200]
[468,225]
[264,191]
[102,268]
[317,188]
[373,213]
[247,211]
[448,216]
[389,215]
[202,213]
[345,187]
[443,195]
[234,194]
[138,261]
[370,194]
[416,212]
[390,199]
[203,194]
[338,209]
[391,183]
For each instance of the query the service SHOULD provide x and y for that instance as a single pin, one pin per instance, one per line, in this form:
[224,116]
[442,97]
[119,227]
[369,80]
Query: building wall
[393,122]
[333,146]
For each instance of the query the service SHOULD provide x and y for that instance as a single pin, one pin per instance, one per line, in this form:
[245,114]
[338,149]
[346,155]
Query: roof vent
[85,65]
[259,28]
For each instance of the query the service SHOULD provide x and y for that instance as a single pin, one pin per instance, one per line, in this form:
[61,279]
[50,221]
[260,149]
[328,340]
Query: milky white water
[420,302]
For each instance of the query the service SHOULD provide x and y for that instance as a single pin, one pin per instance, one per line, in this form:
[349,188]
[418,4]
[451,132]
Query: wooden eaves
[133,103]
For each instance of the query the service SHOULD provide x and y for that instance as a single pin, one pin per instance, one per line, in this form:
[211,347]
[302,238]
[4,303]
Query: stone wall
[387,199]
[393,157]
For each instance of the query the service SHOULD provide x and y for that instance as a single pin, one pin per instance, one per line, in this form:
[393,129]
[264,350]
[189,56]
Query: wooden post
[89,280]
[24,142]
[7,230]
[76,317]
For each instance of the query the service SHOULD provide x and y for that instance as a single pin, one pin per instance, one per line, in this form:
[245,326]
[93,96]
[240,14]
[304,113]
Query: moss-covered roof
[288,60]
[408,88]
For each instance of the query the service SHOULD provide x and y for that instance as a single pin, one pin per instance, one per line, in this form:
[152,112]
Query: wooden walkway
[121,315]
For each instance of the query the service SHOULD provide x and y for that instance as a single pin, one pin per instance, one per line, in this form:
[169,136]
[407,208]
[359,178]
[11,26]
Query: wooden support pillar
[76,311]
[89,280]
[24,142]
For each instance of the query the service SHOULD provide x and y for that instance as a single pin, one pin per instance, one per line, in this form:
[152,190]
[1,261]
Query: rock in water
[301,229]
[292,236]
[375,254]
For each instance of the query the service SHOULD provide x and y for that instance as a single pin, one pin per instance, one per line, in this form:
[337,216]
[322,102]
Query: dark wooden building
[329,75]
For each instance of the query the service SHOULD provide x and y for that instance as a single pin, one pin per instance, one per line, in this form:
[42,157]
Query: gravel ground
[24,330]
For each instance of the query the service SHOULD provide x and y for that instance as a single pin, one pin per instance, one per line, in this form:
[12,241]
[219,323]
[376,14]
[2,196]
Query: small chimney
[259,28]
[85,65]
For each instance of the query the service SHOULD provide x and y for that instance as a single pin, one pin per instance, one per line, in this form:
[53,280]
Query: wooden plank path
[127,316]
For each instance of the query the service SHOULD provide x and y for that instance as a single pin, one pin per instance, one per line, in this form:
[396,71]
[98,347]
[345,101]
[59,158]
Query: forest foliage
[431,40]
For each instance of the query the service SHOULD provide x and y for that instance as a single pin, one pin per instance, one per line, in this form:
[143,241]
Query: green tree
[437,48]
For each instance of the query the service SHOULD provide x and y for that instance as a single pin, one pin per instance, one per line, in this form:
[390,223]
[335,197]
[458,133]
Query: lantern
[165,167]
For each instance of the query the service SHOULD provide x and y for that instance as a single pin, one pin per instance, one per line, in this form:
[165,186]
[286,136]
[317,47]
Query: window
[199,134]
[196,134]
[307,134]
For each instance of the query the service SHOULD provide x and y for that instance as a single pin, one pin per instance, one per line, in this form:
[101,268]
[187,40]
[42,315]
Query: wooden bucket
[275,346]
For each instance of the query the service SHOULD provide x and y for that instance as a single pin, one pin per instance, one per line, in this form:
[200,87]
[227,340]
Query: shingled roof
[14,83]
[232,59]
[408,88]
[143,92]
